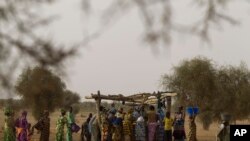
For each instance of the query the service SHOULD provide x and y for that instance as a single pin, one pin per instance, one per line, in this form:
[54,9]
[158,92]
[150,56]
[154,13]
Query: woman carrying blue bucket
[192,112]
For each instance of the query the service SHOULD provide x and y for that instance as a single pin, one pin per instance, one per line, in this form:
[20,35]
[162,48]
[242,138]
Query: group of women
[142,123]
[136,124]
[20,129]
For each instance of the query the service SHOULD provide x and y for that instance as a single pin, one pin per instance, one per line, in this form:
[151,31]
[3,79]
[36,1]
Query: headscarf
[24,113]
[140,119]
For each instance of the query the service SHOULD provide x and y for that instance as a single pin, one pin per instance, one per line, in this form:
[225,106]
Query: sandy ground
[202,134]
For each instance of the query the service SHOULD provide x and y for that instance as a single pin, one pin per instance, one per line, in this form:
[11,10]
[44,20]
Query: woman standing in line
[43,125]
[152,123]
[71,121]
[9,126]
[22,127]
[61,122]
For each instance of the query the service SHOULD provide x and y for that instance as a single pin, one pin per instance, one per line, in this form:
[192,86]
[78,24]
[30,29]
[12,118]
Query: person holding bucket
[192,111]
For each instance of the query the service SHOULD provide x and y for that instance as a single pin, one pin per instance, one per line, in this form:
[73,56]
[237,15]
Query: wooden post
[158,96]
[169,104]
[98,104]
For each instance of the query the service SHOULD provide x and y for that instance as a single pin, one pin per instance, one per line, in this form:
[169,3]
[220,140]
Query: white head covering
[140,119]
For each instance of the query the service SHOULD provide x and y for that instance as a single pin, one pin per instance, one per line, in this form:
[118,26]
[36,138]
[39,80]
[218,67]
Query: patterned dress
[192,131]
[61,122]
[127,127]
[117,130]
[43,125]
[22,129]
[104,127]
[71,120]
[9,132]
[140,130]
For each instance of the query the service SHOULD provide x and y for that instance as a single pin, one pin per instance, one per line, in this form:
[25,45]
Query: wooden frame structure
[141,98]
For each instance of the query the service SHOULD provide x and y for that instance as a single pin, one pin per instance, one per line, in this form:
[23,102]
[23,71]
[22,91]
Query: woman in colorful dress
[160,129]
[104,128]
[9,126]
[22,127]
[152,123]
[43,125]
[140,130]
[71,120]
[117,130]
[61,122]
[127,126]
[192,127]
[179,130]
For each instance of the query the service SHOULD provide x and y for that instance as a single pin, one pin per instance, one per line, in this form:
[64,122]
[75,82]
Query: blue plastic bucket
[196,110]
[190,111]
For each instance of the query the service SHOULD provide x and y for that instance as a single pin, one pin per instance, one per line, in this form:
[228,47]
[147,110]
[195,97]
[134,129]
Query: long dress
[43,125]
[71,120]
[160,132]
[127,127]
[85,134]
[22,129]
[140,130]
[104,127]
[179,130]
[61,122]
[9,134]
[192,131]
[117,130]
[160,129]
[152,125]
[94,129]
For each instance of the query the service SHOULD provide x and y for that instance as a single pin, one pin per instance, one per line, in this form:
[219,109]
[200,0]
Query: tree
[194,81]
[40,89]
[215,90]
[71,99]
[234,83]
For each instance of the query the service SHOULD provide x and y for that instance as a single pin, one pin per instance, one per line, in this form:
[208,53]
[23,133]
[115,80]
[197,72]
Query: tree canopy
[214,89]
[42,90]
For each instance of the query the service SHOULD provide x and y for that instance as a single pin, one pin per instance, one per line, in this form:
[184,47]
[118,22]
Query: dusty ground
[203,135]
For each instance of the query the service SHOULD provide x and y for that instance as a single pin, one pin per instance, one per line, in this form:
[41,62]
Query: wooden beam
[98,104]
[110,97]
[136,98]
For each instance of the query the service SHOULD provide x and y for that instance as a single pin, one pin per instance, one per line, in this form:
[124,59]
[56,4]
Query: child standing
[168,121]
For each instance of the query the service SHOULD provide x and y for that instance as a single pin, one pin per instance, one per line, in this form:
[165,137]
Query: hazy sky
[119,62]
